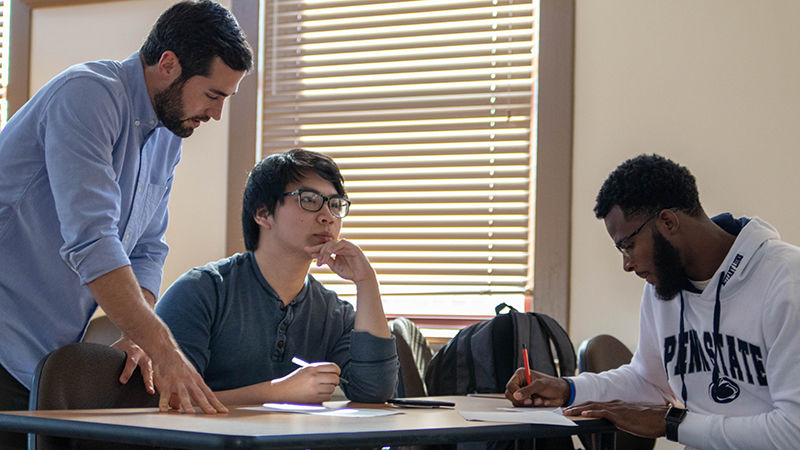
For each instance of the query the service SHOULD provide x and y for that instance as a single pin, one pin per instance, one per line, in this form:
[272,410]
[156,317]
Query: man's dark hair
[268,180]
[197,31]
[645,185]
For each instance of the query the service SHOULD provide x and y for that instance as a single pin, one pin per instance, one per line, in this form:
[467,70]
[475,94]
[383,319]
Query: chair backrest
[84,376]
[414,354]
[598,354]
[602,352]
[101,330]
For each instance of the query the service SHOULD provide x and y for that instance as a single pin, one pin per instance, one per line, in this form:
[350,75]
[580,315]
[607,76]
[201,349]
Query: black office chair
[84,376]
[598,354]
[414,354]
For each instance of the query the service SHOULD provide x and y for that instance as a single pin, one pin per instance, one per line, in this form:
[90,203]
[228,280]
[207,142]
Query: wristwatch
[674,418]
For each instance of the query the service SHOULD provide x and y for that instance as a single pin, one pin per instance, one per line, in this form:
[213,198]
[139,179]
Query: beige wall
[63,36]
[712,84]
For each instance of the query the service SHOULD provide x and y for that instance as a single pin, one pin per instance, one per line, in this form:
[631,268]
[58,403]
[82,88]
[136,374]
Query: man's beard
[671,277]
[169,109]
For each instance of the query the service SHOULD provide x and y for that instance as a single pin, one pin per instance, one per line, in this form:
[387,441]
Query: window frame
[550,255]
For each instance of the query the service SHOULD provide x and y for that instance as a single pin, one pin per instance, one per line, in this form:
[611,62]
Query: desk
[243,428]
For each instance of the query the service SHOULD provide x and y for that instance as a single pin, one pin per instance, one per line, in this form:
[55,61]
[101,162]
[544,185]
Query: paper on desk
[319,410]
[539,416]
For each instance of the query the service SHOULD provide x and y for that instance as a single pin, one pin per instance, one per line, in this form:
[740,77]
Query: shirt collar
[145,117]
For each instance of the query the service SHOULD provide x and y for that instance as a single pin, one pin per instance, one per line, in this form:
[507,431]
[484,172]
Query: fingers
[327,252]
[131,362]
[211,400]
[326,367]
[147,374]
[515,389]
[181,387]
[163,403]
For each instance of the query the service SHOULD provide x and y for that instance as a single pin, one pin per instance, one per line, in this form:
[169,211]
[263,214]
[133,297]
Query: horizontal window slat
[448,257]
[482,126]
[464,161]
[351,7]
[440,173]
[482,111]
[299,65]
[275,103]
[397,268]
[403,198]
[436,185]
[410,89]
[424,148]
[325,140]
[366,26]
[387,232]
[435,281]
[443,245]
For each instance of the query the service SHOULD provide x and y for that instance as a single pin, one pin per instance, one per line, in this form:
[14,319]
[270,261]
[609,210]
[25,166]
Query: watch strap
[673,419]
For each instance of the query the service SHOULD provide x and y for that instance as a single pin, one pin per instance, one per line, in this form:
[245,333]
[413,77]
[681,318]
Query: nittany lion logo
[724,390]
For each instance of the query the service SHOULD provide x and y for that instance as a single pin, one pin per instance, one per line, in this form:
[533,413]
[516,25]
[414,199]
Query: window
[427,107]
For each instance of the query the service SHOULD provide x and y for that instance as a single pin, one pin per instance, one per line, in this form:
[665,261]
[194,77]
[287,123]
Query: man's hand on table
[180,386]
[643,420]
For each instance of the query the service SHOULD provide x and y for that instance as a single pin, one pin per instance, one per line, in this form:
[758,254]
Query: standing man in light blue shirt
[86,168]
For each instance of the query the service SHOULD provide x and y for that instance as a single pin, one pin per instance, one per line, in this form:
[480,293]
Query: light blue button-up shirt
[85,174]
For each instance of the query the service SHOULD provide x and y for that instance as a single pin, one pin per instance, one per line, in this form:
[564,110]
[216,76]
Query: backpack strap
[470,364]
[502,306]
[562,343]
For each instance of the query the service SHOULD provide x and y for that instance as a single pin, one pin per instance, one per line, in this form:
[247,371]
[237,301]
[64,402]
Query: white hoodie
[758,404]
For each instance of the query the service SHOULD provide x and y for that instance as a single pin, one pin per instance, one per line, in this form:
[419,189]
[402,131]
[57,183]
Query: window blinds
[427,108]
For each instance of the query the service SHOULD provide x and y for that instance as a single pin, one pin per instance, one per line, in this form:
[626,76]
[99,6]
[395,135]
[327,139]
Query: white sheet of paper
[320,410]
[539,416]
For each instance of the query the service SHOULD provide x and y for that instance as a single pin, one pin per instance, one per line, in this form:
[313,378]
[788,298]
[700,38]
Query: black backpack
[482,357]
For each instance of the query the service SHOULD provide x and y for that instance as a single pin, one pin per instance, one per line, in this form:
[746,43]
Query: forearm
[120,296]
[772,430]
[369,308]
[247,395]
[622,383]
[149,297]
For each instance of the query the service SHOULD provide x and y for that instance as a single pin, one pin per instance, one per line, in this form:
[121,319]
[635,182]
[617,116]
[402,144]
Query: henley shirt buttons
[283,327]
[283,307]
[280,344]
[136,122]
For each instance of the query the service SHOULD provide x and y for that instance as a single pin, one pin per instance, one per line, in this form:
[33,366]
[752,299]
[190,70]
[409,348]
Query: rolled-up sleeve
[79,142]
[372,369]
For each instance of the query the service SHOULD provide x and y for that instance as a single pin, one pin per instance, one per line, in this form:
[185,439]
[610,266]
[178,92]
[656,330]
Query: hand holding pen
[312,383]
[302,363]
[531,388]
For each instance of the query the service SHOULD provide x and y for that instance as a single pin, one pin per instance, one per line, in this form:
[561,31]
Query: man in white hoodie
[716,366]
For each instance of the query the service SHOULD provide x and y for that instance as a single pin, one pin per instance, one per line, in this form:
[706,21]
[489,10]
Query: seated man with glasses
[248,321]
[718,326]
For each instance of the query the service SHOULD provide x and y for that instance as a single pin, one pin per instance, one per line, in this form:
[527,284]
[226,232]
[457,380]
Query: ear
[263,218]
[669,222]
[169,67]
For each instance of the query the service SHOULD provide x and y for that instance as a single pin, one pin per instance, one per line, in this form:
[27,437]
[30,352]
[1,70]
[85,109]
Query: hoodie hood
[752,234]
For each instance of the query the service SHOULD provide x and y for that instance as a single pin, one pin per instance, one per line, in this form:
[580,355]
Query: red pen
[527,364]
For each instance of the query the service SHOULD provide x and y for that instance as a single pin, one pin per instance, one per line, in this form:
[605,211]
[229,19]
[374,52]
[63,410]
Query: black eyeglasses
[622,244]
[312,201]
